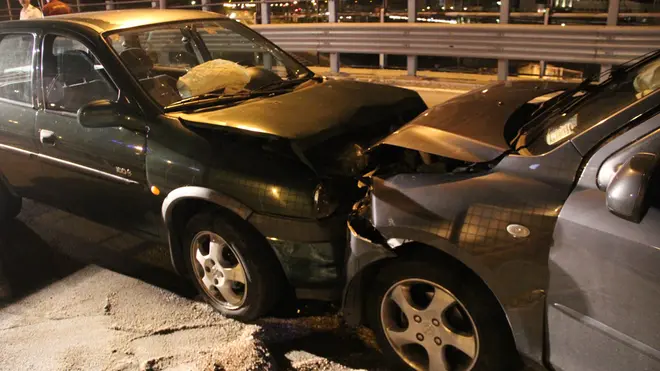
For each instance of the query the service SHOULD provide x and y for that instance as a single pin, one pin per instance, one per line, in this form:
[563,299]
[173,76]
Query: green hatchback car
[189,128]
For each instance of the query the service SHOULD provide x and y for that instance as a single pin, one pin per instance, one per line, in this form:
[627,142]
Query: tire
[475,318]
[263,275]
[10,205]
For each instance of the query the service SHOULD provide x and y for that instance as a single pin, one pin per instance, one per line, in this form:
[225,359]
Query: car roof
[113,20]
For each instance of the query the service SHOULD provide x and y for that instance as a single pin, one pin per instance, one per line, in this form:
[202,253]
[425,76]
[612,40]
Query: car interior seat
[76,82]
[161,87]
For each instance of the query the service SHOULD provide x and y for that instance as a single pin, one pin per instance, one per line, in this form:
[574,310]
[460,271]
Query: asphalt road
[88,297]
[80,296]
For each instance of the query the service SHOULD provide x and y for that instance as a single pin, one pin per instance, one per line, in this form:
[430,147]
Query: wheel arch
[421,245]
[182,203]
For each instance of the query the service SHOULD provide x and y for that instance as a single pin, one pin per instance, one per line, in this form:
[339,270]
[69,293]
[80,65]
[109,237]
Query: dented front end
[464,202]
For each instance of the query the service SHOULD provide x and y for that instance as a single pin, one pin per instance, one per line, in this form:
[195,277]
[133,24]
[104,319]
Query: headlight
[324,201]
[353,160]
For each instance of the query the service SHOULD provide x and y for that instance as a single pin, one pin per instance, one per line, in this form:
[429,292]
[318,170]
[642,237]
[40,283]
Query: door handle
[47,137]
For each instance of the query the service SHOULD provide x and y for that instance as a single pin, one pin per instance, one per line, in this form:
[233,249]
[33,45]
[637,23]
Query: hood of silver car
[470,127]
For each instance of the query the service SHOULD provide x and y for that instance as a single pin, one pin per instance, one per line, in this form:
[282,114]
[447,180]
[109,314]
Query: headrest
[75,66]
[137,61]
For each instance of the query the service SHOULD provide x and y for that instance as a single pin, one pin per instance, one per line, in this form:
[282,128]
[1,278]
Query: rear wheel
[433,316]
[234,269]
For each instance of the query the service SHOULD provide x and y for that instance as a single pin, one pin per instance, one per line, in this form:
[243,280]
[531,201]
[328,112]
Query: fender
[352,309]
[197,193]
[446,246]
[352,305]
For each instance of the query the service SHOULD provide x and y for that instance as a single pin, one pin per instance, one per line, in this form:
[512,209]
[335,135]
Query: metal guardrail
[604,45]
[581,44]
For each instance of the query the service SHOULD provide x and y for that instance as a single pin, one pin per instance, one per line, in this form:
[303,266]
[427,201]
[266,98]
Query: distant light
[485,91]
[428,7]
[275,192]
[563,24]
[499,3]
[193,2]
[232,16]
[497,20]
[451,7]
[443,8]
[464,8]
[155,190]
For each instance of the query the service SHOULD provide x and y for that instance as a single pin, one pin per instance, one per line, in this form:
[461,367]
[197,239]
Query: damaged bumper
[366,248]
[310,252]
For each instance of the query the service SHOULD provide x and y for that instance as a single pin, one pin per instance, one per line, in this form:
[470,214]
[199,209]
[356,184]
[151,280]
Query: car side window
[72,75]
[16,67]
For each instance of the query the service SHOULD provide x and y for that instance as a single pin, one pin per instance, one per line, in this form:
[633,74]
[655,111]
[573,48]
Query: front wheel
[432,316]
[234,269]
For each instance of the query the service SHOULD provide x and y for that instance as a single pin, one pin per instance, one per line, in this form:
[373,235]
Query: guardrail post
[265,12]
[265,19]
[332,18]
[11,17]
[412,17]
[546,21]
[382,58]
[503,64]
[109,5]
[612,20]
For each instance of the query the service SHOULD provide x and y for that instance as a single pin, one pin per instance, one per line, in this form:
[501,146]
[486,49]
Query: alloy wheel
[428,327]
[219,270]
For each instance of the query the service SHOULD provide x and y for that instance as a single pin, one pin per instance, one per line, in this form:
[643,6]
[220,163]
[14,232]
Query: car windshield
[588,105]
[184,62]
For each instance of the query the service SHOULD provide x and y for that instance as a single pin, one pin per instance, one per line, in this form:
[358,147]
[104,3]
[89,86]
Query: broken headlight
[353,160]
[325,201]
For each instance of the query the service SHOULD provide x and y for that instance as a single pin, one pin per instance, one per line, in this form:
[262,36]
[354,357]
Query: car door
[17,111]
[97,173]
[604,290]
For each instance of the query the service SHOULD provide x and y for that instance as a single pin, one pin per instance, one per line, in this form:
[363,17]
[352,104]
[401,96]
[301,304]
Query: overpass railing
[580,44]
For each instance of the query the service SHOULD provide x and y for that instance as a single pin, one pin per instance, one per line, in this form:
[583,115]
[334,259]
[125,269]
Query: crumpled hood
[470,127]
[312,115]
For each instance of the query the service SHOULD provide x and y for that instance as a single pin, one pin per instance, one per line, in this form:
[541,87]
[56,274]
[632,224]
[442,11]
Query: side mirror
[626,193]
[106,114]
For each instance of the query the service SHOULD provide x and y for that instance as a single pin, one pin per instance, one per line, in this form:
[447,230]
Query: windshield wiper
[216,98]
[283,84]
[565,99]
[569,98]
[206,99]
